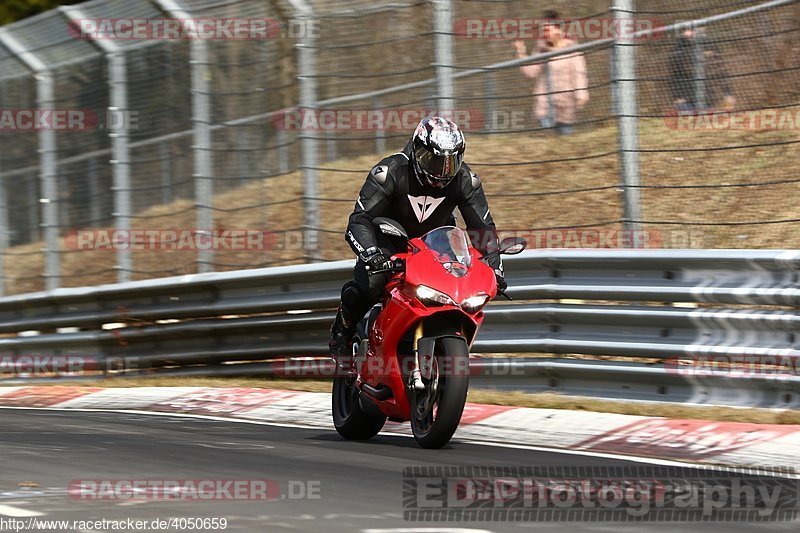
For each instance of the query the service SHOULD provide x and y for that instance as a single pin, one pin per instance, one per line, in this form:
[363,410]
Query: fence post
[283,151]
[443,54]
[33,202]
[612,71]
[489,94]
[120,157]
[49,175]
[330,143]
[203,158]
[380,134]
[306,75]
[117,117]
[165,165]
[245,156]
[699,70]
[48,164]
[4,233]
[203,173]
[627,111]
[94,191]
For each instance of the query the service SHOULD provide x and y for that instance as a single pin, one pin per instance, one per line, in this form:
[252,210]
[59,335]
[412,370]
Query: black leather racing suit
[392,190]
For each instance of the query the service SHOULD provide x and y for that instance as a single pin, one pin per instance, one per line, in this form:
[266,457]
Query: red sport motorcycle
[411,351]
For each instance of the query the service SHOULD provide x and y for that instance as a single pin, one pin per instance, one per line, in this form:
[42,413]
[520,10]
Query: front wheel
[350,420]
[436,410]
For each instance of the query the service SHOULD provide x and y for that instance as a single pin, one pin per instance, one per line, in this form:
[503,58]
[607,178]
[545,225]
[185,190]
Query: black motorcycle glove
[376,260]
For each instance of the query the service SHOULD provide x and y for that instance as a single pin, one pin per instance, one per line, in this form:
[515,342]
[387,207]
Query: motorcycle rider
[419,187]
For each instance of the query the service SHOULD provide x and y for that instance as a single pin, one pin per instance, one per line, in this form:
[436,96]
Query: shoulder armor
[380,172]
[389,166]
[476,181]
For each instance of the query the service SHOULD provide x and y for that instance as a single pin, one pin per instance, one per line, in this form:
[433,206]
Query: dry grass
[508,398]
[555,401]
[274,204]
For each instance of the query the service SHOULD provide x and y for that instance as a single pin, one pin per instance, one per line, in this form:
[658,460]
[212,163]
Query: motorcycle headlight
[426,294]
[473,304]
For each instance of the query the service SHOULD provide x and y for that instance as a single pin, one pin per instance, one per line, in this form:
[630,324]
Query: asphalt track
[360,483]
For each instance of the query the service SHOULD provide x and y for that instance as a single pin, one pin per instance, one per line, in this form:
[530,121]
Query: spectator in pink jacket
[561,87]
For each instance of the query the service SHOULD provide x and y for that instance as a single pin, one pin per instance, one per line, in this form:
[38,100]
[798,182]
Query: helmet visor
[439,168]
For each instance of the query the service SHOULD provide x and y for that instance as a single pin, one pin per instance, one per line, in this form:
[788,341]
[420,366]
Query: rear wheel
[350,420]
[436,410]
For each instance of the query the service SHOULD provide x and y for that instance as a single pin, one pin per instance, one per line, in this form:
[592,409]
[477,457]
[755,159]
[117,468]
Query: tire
[435,430]
[350,420]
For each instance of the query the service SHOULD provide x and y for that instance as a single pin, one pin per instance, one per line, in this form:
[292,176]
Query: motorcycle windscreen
[450,246]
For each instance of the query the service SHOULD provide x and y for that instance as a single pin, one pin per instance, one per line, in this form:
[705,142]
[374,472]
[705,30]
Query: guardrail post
[306,75]
[48,164]
[443,54]
[625,81]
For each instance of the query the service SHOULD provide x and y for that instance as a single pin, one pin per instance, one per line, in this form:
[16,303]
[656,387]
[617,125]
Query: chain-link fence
[594,123]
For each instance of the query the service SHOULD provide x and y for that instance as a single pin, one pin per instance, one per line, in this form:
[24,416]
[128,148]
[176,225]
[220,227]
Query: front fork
[415,379]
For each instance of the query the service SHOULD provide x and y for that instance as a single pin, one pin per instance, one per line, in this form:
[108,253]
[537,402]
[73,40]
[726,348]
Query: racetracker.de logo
[588,29]
[401,119]
[711,120]
[170,239]
[776,366]
[170,29]
[193,489]
[45,365]
[48,119]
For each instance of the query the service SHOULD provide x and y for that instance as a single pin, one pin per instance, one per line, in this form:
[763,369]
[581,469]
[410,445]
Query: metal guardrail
[654,304]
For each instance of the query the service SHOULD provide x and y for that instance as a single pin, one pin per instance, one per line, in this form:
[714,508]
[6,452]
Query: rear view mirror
[512,245]
[390,227]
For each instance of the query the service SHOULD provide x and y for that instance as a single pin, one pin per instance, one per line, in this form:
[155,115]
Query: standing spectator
[561,87]
[698,77]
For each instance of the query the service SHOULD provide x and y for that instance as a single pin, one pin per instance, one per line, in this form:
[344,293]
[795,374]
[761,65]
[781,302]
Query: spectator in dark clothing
[698,78]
